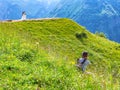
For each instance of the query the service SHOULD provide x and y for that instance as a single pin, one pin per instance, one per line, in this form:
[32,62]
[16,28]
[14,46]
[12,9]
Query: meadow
[42,54]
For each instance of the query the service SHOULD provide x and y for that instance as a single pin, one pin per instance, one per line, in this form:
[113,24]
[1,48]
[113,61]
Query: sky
[30,6]
[50,1]
[26,2]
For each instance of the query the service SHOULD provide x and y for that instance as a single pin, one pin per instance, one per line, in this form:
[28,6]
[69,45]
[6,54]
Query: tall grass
[42,54]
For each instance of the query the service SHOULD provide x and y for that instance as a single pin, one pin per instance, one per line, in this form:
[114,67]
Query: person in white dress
[83,62]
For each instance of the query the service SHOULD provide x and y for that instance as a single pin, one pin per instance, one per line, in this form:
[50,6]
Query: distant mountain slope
[12,9]
[9,10]
[95,15]
[43,53]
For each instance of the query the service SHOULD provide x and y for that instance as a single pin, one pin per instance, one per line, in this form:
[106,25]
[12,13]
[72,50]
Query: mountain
[35,9]
[42,54]
[95,15]
[9,10]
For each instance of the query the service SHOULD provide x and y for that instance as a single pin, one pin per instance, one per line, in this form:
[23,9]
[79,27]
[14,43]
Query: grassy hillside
[42,54]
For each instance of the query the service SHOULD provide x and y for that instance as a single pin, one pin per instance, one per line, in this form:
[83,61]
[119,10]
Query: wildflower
[72,62]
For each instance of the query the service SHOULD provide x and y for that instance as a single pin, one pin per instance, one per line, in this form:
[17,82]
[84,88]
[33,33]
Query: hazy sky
[36,0]
[33,1]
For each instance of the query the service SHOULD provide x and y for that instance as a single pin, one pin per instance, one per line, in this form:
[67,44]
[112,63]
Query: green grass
[43,54]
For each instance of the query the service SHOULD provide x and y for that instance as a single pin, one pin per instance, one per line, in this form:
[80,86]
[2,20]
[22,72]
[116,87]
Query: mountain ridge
[95,15]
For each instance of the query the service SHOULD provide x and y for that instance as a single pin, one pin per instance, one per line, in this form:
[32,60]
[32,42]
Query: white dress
[84,65]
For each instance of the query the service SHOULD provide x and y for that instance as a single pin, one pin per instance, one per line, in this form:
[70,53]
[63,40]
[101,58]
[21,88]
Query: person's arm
[78,63]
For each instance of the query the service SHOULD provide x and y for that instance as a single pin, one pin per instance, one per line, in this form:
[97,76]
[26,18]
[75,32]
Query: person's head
[85,54]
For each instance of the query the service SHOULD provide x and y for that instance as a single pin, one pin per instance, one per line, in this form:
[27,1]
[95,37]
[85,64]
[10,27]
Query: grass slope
[42,54]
